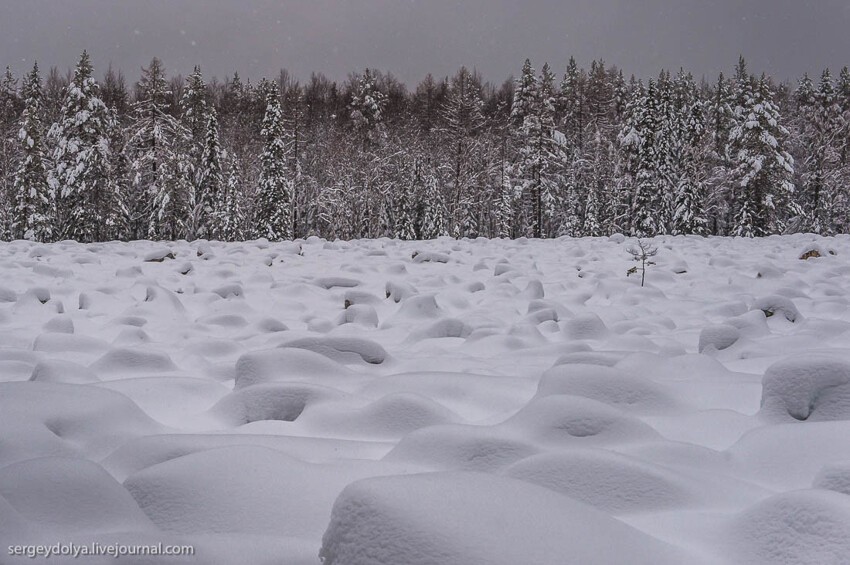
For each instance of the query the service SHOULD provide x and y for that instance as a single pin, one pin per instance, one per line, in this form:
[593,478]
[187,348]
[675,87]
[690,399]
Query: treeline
[588,154]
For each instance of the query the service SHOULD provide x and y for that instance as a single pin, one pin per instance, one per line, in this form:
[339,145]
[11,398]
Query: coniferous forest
[576,152]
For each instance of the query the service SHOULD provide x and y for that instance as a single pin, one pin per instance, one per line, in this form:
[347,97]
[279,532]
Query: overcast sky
[413,37]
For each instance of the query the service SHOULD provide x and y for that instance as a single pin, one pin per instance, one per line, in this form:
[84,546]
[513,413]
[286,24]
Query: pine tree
[367,108]
[718,194]
[80,178]
[116,216]
[33,204]
[273,212]
[230,215]
[686,158]
[596,216]
[638,141]
[572,106]
[540,150]
[11,106]
[211,181]
[193,107]
[763,168]
[434,214]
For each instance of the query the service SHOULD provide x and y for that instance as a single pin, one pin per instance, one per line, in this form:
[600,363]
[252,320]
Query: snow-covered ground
[447,402]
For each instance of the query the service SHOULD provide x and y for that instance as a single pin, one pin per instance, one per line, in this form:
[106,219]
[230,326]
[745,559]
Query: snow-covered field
[448,402]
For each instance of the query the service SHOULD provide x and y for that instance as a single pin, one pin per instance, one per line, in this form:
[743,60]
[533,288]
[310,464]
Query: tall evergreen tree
[33,217]
[540,150]
[211,182]
[230,211]
[80,178]
[367,109]
[11,106]
[273,212]
[763,168]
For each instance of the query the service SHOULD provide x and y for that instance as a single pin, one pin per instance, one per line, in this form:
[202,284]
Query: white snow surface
[380,402]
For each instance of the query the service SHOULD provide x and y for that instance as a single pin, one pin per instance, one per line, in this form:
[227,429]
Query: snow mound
[585,326]
[158,255]
[607,385]
[285,364]
[800,451]
[398,291]
[460,447]
[242,489]
[336,282]
[834,477]
[775,304]
[7,294]
[815,251]
[447,327]
[232,290]
[283,402]
[46,419]
[391,416]
[418,307]
[797,527]
[54,371]
[430,257]
[450,519]
[64,342]
[807,387]
[609,481]
[573,420]
[70,495]
[361,314]
[129,361]
[354,297]
[474,397]
[343,350]
[60,324]
[718,337]
[271,325]
[603,358]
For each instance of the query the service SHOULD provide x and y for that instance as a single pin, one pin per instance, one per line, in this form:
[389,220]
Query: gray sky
[413,37]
